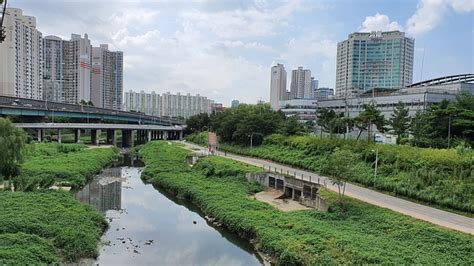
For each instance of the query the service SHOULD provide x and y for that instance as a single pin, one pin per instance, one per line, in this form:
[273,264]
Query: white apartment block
[21,57]
[365,61]
[107,78]
[167,104]
[300,87]
[67,69]
[77,74]
[53,69]
[277,85]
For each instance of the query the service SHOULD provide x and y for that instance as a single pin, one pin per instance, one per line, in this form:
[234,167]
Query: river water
[151,227]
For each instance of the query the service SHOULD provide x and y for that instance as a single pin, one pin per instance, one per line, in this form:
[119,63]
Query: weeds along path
[360,234]
[419,211]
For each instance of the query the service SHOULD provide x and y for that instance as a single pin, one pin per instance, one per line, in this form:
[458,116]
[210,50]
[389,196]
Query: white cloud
[430,14]
[313,49]
[379,22]
[463,5]
[249,22]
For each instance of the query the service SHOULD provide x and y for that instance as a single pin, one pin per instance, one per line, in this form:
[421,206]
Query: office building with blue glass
[376,60]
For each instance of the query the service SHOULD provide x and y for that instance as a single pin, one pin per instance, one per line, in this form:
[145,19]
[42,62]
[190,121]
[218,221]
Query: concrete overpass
[130,133]
[13,106]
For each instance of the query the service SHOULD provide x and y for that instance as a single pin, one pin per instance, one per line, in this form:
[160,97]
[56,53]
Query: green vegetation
[442,177]
[12,147]
[71,164]
[364,234]
[237,125]
[46,228]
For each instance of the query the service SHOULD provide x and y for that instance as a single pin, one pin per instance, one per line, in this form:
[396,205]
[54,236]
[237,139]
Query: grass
[364,234]
[47,228]
[440,177]
[72,164]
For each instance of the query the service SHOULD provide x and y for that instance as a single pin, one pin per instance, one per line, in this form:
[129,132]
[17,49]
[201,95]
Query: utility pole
[449,131]
[251,140]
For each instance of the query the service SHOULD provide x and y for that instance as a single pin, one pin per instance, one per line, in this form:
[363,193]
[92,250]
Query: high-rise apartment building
[67,69]
[314,87]
[365,61]
[21,57]
[53,69]
[300,87]
[107,78]
[77,72]
[277,85]
[167,104]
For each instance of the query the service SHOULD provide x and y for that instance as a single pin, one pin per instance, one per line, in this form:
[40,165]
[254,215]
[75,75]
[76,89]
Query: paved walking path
[419,211]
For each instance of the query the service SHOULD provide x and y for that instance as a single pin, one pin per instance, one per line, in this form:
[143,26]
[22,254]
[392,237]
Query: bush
[40,227]
[63,163]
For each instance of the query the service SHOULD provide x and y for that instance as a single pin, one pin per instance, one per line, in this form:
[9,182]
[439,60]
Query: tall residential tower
[277,85]
[107,78]
[301,84]
[365,61]
[67,69]
[21,57]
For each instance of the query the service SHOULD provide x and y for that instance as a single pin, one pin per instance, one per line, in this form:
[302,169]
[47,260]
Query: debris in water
[194,222]
[135,251]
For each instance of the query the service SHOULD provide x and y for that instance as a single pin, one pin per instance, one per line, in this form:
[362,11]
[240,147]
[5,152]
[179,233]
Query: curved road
[419,211]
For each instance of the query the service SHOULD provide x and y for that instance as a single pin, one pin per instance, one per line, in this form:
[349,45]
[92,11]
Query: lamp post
[251,140]
[376,164]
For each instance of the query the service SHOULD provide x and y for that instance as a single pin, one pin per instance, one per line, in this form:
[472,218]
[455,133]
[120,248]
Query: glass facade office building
[365,61]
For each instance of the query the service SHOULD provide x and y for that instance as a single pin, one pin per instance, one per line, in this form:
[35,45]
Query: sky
[224,49]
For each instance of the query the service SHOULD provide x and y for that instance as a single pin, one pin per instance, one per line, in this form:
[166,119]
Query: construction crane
[3,6]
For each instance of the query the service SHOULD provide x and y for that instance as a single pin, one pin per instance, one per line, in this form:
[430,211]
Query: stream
[149,226]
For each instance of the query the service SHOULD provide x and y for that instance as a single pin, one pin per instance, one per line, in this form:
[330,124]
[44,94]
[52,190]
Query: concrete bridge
[130,133]
[34,109]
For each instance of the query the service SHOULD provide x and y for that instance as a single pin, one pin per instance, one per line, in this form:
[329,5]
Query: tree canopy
[444,124]
[400,120]
[12,147]
[237,125]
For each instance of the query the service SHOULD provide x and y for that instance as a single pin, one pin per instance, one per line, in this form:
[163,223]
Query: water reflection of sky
[147,214]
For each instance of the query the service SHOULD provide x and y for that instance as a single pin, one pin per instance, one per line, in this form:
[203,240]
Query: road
[419,211]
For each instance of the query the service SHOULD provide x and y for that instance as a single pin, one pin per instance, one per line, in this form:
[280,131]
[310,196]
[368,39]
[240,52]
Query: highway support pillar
[165,135]
[95,136]
[127,138]
[112,137]
[40,135]
[59,135]
[181,135]
[148,135]
[77,135]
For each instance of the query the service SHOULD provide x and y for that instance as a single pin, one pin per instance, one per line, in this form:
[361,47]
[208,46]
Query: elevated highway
[13,106]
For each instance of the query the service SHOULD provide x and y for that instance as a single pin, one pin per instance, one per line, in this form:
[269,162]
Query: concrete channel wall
[305,192]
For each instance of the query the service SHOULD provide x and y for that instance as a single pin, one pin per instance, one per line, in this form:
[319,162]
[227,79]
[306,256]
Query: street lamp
[376,163]
[251,140]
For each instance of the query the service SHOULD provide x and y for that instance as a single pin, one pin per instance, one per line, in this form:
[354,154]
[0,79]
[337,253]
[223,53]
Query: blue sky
[224,49]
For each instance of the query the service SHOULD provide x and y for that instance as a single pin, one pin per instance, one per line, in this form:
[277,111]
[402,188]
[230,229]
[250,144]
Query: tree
[400,120]
[368,117]
[420,129]
[330,121]
[12,147]
[199,122]
[339,168]
[292,126]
